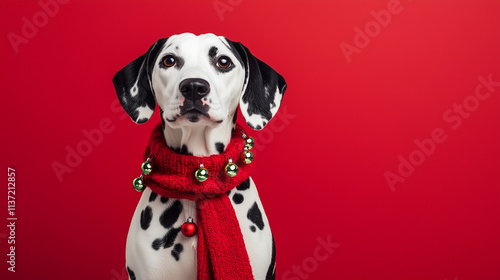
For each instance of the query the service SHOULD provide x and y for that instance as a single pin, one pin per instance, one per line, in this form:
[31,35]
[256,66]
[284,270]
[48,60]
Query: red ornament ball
[189,229]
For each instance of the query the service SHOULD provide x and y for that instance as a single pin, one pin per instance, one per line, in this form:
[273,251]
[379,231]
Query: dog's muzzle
[194,91]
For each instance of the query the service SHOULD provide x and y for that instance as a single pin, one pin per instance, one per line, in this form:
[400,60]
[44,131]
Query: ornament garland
[189,228]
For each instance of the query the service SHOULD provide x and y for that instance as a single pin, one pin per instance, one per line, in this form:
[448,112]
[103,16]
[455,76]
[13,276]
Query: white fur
[144,112]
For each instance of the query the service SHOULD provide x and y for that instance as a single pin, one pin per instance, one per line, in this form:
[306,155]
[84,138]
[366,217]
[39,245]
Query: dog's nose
[194,88]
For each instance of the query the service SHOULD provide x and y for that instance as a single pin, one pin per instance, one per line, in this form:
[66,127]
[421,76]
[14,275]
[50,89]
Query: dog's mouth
[194,115]
[194,110]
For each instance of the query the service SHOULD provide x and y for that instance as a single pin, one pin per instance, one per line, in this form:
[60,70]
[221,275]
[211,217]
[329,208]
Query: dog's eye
[224,62]
[169,61]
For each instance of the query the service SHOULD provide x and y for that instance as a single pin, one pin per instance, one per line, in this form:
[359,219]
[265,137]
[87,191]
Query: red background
[320,166]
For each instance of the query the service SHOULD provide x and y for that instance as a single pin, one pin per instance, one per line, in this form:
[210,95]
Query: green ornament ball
[231,169]
[138,184]
[249,143]
[201,174]
[247,156]
[146,167]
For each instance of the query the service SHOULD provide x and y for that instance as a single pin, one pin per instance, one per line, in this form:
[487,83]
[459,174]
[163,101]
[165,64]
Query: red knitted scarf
[221,250]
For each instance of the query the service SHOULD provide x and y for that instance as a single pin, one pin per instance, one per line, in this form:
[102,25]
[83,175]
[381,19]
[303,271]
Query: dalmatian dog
[198,83]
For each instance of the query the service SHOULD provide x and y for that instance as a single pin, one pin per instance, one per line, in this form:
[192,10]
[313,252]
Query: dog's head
[199,80]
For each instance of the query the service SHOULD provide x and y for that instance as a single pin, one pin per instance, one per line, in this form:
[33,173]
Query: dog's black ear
[133,85]
[262,91]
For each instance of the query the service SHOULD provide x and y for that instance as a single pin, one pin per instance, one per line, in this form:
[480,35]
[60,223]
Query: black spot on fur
[153,196]
[244,186]
[212,52]
[250,125]
[164,199]
[271,270]
[181,151]
[168,240]
[170,237]
[228,192]
[162,119]
[232,131]
[238,198]
[176,251]
[219,146]
[131,274]
[258,127]
[171,214]
[146,217]
[255,216]
[252,228]
[235,116]
[157,244]
[184,151]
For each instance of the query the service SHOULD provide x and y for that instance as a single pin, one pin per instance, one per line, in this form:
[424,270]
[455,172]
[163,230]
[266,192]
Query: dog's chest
[156,245]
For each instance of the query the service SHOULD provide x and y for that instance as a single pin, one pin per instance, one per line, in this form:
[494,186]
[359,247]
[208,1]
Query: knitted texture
[221,250]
